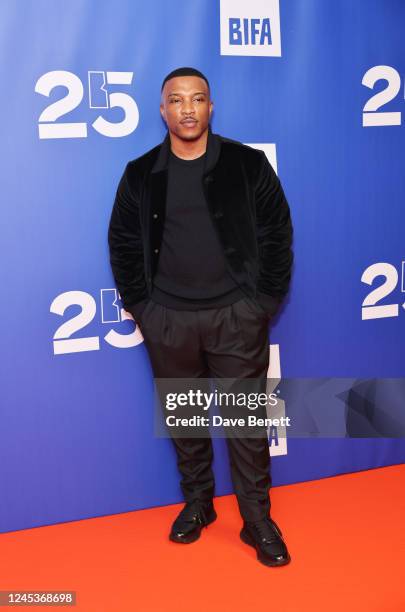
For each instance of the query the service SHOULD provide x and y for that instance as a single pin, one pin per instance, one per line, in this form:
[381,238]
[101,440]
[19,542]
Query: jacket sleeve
[126,248]
[274,236]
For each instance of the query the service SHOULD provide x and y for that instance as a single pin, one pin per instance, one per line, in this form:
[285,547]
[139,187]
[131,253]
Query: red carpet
[346,537]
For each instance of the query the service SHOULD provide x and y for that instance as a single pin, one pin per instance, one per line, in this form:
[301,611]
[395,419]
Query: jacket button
[156,250]
[209,179]
[218,215]
[155,216]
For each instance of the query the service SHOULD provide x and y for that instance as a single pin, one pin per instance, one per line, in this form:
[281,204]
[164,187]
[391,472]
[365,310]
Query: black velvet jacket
[248,208]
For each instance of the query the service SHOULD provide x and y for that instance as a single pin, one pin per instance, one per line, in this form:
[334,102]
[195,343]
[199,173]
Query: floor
[345,534]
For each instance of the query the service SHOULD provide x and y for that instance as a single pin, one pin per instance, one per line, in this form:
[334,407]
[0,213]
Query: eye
[174,100]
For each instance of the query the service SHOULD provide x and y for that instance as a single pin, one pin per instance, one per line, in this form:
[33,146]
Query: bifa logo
[250,28]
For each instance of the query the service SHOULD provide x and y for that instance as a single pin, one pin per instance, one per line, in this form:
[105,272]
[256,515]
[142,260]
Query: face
[186,106]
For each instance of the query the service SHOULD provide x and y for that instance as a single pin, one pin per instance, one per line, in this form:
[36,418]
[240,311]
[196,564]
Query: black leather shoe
[266,537]
[194,516]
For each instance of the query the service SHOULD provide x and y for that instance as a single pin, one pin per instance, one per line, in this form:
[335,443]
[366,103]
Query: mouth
[189,122]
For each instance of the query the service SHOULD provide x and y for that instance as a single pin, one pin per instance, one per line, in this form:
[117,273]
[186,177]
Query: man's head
[185,103]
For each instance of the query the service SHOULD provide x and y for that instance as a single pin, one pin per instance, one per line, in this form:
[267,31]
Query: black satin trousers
[226,342]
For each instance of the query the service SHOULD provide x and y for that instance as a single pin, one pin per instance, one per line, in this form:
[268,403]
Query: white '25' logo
[99,97]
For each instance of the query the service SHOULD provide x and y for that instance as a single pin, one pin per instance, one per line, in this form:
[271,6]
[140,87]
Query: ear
[162,111]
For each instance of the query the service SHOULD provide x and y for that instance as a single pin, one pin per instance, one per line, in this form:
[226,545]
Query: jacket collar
[213,150]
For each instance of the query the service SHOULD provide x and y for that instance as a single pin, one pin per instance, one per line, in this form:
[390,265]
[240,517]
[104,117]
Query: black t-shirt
[192,270]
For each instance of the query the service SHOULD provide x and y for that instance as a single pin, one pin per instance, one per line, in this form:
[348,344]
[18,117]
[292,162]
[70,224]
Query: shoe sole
[245,537]
[194,537]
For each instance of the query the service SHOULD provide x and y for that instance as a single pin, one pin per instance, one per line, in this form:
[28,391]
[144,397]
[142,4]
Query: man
[200,247]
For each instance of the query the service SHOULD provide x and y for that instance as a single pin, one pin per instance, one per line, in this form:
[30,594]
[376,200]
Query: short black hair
[184,71]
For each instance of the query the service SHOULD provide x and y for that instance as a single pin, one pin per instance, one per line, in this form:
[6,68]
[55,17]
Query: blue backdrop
[319,85]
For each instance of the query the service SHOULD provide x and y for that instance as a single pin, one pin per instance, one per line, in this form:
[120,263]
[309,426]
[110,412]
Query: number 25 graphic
[47,122]
[62,340]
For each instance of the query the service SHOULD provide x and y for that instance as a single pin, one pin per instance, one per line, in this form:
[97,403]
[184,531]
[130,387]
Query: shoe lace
[195,511]
[267,531]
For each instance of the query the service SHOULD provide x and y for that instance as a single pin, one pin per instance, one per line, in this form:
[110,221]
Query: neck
[189,149]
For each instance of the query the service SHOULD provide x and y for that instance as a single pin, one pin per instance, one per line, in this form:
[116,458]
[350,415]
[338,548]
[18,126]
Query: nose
[187,108]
